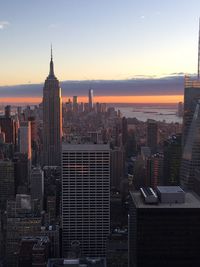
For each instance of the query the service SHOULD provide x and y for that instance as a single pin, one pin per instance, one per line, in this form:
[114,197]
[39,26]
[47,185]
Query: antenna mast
[199,53]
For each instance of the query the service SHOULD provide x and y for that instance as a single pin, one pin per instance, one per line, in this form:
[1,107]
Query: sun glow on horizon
[165,99]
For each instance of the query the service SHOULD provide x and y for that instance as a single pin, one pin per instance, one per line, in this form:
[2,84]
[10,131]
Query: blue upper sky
[97,39]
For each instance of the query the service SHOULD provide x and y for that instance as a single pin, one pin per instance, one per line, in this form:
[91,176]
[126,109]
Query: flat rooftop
[191,201]
[85,147]
[170,189]
[86,262]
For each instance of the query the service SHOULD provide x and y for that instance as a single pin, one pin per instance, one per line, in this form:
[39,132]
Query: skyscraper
[152,135]
[165,233]
[191,128]
[85,198]
[37,185]
[172,160]
[25,138]
[191,152]
[7,182]
[8,126]
[52,119]
[90,99]
[191,97]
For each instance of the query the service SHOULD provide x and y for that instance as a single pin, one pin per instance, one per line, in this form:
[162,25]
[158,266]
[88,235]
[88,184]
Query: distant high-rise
[90,99]
[52,119]
[9,126]
[25,138]
[85,198]
[37,185]
[152,135]
[7,182]
[75,103]
[172,160]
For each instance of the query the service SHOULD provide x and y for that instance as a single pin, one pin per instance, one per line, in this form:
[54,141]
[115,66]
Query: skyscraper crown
[51,71]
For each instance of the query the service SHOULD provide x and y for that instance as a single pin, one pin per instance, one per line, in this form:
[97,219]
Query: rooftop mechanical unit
[149,196]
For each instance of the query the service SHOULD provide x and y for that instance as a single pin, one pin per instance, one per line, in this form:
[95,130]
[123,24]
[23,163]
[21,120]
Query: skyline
[121,42]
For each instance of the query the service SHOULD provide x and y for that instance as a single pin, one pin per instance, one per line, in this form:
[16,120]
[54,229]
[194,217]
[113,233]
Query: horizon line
[136,77]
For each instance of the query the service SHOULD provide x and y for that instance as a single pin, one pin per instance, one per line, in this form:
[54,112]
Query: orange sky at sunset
[104,99]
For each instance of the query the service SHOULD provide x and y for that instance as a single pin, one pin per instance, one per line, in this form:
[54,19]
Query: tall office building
[191,152]
[191,97]
[172,160]
[164,233]
[152,135]
[21,221]
[21,171]
[7,182]
[154,170]
[90,99]
[75,103]
[25,138]
[37,185]
[85,198]
[52,119]
[8,126]
[117,167]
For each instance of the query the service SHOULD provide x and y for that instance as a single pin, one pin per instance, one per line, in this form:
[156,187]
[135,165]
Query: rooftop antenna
[51,52]
[199,53]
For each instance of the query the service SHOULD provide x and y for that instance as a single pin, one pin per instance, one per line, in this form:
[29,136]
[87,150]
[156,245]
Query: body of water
[144,112]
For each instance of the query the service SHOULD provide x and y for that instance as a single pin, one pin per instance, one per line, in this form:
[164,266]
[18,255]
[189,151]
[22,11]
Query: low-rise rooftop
[191,201]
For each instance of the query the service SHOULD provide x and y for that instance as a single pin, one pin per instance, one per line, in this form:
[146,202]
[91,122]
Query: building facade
[52,119]
[164,234]
[152,135]
[85,198]
[191,152]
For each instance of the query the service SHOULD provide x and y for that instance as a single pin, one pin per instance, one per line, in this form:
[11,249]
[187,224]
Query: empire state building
[52,119]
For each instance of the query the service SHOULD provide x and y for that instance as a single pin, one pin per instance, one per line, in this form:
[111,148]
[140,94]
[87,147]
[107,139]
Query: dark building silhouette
[172,160]
[191,152]
[191,97]
[52,119]
[152,135]
[165,233]
[117,249]
[117,168]
[33,251]
[154,170]
[7,182]
[8,126]
[124,131]
[21,170]
[90,99]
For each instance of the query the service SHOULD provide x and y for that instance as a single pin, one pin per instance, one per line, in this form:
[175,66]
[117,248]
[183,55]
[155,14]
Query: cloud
[4,24]
[142,17]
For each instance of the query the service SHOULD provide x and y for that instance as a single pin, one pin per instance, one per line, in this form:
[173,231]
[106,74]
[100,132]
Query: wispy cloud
[4,24]
[142,17]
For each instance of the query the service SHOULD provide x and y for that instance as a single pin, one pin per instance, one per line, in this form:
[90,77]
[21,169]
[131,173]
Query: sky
[97,39]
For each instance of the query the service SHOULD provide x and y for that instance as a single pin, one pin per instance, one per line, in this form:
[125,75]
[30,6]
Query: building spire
[198,71]
[51,53]
[51,72]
